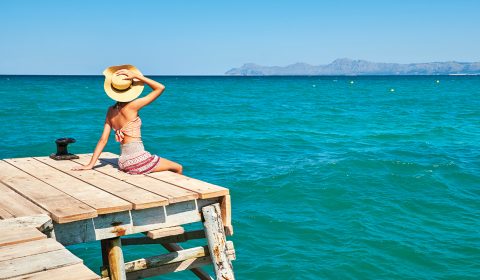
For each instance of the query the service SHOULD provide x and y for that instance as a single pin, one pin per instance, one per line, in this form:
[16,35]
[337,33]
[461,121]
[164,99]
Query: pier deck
[99,204]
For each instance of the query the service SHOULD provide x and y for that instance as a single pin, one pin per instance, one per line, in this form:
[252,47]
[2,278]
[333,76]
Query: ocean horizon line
[242,76]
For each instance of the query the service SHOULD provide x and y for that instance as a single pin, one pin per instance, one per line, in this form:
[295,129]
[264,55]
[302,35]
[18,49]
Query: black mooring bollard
[62,152]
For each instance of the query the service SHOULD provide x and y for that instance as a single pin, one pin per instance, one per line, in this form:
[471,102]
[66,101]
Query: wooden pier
[44,206]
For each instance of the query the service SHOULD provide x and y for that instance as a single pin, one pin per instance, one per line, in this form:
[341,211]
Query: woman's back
[125,122]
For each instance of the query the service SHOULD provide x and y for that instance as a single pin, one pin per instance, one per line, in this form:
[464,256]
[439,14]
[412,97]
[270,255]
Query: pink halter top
[131,128]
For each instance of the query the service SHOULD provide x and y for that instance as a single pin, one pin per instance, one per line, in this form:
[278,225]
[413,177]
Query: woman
[124,84]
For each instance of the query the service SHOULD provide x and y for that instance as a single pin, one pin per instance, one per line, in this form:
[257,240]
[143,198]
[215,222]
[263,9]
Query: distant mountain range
[345,66]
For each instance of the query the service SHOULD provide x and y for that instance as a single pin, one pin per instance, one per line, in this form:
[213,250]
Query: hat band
[121,90]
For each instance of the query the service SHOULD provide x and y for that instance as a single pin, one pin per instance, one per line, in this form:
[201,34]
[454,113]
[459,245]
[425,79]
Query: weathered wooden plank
[36,263]
[189,235]
[61,207]
[41,222]
[103,202]
[173,257]
[172,267]
[12,236]
[217,246]
[171,215]
[133,192]
[29,248]
[138,197]
[169,268]
[71,272]
[36,221]
[159,233]
[102,227]
[199,272]
[204,189]
[4,214]
[173,193]
[134,221]
[16,204]
[112,225]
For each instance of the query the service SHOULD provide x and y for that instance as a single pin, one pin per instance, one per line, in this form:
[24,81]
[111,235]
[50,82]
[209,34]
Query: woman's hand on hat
[130,75]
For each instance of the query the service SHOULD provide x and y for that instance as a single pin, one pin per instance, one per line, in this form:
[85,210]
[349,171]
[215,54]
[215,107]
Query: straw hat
[119,89]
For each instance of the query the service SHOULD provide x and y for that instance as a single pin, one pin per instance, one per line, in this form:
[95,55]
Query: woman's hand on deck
[82,167]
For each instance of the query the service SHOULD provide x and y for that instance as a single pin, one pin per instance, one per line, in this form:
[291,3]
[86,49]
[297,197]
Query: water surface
[331,177]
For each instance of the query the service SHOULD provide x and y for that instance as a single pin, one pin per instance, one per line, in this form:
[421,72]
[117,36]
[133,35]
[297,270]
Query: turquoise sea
[331,177]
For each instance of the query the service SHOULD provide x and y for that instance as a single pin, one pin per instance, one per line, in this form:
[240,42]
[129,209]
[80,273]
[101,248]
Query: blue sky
[210,37]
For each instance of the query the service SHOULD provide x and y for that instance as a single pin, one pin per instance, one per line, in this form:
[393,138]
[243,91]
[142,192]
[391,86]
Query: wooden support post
[116,263]
[226,207]
[217,244]
[104,247]
[200,273]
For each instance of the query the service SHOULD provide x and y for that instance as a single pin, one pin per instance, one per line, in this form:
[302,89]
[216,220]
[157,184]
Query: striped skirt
[135,160]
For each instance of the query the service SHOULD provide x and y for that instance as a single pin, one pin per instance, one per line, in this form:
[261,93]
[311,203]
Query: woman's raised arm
[157,88]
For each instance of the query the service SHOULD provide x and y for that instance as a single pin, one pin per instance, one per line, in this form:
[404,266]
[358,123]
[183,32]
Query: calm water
[375,179]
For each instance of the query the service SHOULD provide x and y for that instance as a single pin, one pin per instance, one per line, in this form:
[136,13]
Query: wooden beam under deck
[130,222]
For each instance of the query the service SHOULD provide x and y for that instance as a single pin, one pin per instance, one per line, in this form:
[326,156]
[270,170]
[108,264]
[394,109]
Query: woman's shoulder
[110,110]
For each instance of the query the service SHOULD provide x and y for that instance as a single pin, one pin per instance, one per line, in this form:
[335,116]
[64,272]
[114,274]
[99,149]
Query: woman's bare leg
[165,164]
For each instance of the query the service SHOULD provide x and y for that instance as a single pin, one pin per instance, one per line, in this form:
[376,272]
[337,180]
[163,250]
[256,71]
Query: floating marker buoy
[438,81]
[351,82]
[392,90]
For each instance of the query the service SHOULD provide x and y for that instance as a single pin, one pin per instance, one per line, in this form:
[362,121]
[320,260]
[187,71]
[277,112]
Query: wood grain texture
[40,222]
[217,243]
[71,272]
[189,235]
[176,256]
[159,233]
[138,197]
[4,214]
[173,193]
[115,259]
[135,221]
[171,267]
[61,207]
[199,272]
[36,263]
[12,236]
[17,205]
[137,183]
[29,248]
[103,202]
[226,208]
[203,189]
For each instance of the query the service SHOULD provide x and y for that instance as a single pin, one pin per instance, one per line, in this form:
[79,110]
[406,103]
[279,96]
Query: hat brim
[122,95]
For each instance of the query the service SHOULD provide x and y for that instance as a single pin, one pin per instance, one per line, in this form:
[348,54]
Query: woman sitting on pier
[124,84]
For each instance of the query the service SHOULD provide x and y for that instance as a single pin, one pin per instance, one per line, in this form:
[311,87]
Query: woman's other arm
[102,142]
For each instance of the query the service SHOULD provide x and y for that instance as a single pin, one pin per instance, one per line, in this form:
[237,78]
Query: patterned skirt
[135,160]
